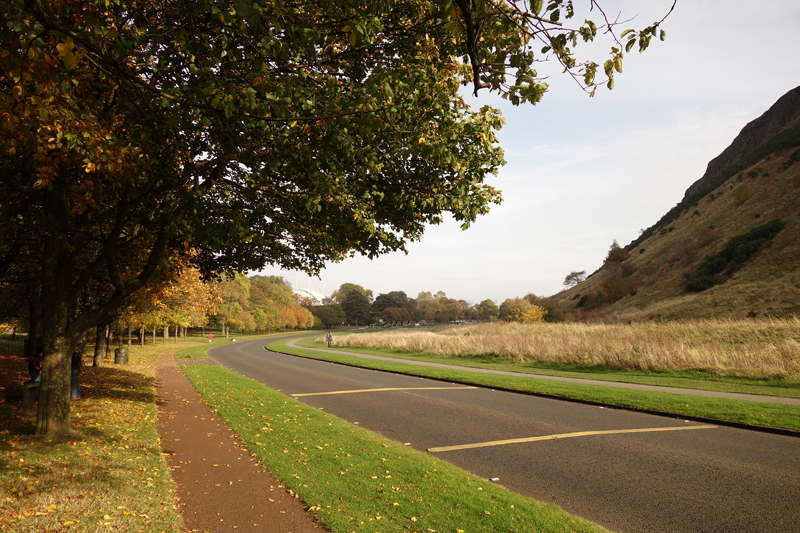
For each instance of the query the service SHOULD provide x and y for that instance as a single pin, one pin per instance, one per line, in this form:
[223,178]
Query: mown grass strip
[737,411]
[353,480]
[108,474]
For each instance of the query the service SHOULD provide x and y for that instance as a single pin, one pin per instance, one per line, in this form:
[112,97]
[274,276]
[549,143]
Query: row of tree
[141,138]
[353,304]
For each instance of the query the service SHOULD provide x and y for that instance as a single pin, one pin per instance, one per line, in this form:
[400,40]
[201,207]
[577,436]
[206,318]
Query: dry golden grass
[747,348]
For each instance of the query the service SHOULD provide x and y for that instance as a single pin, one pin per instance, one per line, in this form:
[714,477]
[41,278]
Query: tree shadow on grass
[98,385]
[116,382]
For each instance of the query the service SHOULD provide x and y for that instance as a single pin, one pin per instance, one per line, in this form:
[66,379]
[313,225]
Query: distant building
[316,296]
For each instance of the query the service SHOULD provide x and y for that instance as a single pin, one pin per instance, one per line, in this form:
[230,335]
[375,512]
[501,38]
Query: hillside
[729,249]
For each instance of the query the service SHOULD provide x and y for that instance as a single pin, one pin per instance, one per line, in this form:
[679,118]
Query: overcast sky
[583,171]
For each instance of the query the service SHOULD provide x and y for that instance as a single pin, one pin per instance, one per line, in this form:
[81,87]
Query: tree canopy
[233,134]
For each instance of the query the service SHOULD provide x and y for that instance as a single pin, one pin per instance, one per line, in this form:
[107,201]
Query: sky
[582,172]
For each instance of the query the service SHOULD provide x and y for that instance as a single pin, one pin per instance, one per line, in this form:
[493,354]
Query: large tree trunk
[34,320]
[53,414]
[100,346]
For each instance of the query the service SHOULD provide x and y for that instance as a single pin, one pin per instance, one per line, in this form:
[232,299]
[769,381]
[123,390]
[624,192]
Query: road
[630,472]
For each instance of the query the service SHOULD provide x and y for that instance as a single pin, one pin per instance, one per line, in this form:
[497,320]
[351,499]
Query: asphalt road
[630,472]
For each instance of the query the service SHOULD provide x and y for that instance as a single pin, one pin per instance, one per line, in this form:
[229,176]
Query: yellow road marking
[378,390]
[561,436]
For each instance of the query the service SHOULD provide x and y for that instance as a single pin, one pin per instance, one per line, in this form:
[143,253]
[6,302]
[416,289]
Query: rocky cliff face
[784,114]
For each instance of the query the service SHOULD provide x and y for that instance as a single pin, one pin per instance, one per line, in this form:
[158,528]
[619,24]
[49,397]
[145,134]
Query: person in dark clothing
[77,366]
[35,364]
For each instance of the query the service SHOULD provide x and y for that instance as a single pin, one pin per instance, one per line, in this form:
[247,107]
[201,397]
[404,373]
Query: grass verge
[772,415]
[689,379]
[106,475]
[357,481]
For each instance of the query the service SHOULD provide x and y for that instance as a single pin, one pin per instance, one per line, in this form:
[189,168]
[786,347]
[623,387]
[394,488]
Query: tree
[273,289]
[235,293]
[340,294]
[553,312]
[331,314]
[616,254]
[427,309]
[357,307]
[286,134]
[574,277]
[393,315]
[520,310]
[273,317]
[613,288]
[487,310]
[392,299]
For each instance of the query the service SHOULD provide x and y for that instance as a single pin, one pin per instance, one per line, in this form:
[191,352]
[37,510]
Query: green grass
[738,411]
[354,480]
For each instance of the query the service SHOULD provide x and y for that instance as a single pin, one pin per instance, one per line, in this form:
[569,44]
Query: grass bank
[354,480]
[106,475]
[737,411]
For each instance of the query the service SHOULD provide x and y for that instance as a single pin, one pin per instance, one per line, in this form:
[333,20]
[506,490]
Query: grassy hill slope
[758,185]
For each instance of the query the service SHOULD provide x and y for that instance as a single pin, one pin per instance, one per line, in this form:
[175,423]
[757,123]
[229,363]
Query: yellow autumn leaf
[64,48]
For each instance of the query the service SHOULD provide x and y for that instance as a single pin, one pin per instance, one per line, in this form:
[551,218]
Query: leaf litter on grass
[106,475]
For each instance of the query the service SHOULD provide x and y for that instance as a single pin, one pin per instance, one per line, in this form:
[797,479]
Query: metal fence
[12,347]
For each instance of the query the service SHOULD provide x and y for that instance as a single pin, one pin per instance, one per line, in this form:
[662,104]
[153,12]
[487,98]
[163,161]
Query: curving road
[630,472]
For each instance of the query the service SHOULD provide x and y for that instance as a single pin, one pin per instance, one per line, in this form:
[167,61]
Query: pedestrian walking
[330,339]
[209,338]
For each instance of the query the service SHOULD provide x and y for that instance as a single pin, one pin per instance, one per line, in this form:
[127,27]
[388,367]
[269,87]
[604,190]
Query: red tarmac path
[220,487]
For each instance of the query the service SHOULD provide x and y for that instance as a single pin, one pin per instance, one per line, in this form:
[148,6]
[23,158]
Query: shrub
[613,288]
[616,254]
[737,251]
[627,270]
[520,310]
[552,311]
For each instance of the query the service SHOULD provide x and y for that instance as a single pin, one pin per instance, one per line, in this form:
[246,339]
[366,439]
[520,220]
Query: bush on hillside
[717,267]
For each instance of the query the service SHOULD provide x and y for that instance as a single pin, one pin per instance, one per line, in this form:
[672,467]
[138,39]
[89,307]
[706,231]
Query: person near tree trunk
[77,366]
